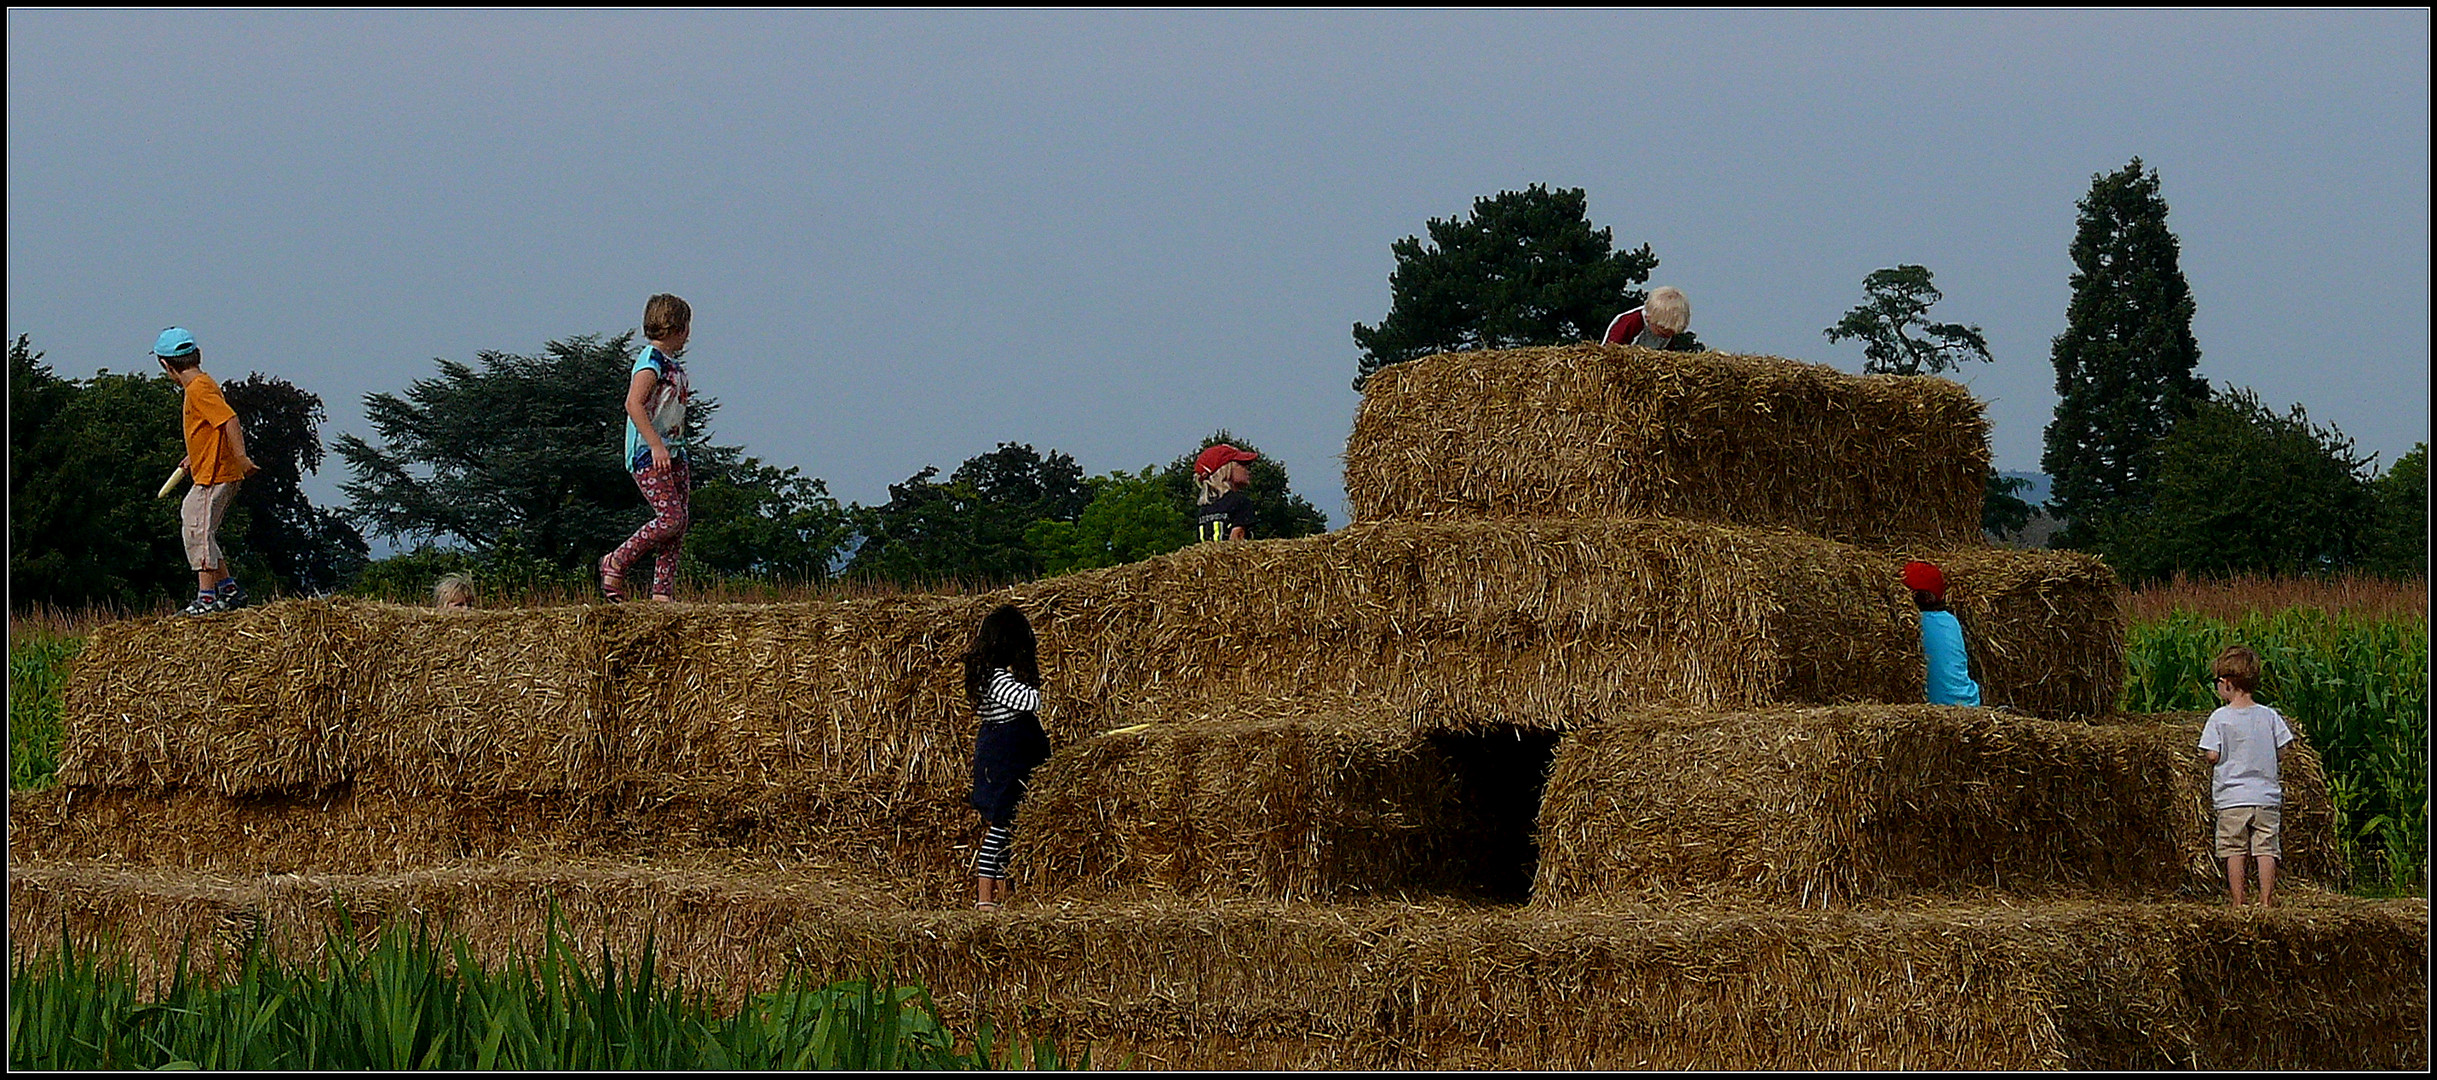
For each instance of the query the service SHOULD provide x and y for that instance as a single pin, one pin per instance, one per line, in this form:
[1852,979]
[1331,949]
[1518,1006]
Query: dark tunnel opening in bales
[1500,775]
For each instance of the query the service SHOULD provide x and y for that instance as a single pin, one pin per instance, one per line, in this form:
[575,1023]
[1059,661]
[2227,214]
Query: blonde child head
[1667,311]
[453,592]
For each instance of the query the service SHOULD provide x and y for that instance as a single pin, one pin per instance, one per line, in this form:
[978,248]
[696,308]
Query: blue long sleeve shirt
[1950,671]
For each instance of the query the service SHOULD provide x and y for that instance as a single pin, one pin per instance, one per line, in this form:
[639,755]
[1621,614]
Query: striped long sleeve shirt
[1005,697]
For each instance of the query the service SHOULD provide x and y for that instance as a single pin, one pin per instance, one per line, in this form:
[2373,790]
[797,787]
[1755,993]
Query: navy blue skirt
[1004,755]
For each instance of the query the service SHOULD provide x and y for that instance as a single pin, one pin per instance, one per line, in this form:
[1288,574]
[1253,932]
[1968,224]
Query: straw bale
[1272,806]
[493,701]
[1607,431]
[2325,981]
[1472,625]
[923,849]
[151,701]
[1831,806]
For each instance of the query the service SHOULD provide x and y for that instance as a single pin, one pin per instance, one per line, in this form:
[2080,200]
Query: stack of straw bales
[1627,625]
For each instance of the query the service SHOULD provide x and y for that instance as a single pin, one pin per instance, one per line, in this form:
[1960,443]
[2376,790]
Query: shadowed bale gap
[1500,775]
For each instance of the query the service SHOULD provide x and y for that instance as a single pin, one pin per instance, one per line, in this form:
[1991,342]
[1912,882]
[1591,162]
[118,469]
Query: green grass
[413,1001]
[2356,687]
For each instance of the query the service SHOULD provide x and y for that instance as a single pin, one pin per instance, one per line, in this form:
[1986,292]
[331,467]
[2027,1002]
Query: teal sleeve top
[1950,670]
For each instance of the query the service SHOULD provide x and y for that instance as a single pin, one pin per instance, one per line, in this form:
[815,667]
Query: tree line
[508,467]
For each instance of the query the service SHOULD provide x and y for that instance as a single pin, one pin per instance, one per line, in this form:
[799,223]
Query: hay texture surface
[2324,982]
[1313,807]
[1617,431]
[1541,624]
[1819,807]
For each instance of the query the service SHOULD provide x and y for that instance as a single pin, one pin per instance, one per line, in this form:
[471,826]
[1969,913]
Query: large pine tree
[2124,365]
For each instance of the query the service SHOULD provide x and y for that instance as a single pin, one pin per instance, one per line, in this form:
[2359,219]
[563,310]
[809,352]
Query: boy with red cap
[1951,678]
[1226,512]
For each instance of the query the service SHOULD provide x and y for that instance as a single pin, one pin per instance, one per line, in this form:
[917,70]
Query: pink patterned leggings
[664,535]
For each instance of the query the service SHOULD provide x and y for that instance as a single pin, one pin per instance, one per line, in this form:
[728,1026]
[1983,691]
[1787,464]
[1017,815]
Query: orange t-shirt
[208,457]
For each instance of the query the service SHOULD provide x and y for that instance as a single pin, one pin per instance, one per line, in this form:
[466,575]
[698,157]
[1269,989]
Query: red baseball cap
[1217,456]
[1924,577]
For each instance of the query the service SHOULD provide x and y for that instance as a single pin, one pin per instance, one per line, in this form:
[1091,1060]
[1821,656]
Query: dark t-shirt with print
[1225,513]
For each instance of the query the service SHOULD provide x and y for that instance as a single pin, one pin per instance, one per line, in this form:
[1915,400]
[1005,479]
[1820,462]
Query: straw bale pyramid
[1595,741]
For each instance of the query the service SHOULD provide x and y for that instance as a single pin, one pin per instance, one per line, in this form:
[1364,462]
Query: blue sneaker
[230,594]
[205,604]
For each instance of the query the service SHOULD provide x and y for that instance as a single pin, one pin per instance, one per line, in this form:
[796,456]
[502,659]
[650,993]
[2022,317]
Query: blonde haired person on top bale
[1658,324]
[1225,512]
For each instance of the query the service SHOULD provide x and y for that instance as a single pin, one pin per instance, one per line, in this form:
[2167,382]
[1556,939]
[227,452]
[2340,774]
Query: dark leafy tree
[1895,330]
[2125,363]
[2003,513]
[759,521]
[85,459]
[518,461]
[971,528]
[1277,512]
[2399,542]
[2240,489]
[1525,268]
[520,452]
[1132,516]
[304,547]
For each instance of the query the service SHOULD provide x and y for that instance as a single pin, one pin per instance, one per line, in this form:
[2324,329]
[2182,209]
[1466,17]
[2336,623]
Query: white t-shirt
[2246,742]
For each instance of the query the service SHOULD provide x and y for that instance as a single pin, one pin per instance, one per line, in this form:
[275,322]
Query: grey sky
[910,235]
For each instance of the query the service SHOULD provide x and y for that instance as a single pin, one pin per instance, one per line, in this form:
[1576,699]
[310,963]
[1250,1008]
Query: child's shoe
[231,594]
[205,604]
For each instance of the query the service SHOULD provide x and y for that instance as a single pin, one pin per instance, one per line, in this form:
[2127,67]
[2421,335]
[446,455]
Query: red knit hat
[1218,456]
[1924,577]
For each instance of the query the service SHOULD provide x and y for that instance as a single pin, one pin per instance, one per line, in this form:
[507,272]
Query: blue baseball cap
[174,341]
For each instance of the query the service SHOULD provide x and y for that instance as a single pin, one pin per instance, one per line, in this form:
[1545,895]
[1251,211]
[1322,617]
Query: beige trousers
[199,523]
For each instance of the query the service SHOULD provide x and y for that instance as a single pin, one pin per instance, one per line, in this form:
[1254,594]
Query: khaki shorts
[199,523]
[2249,830]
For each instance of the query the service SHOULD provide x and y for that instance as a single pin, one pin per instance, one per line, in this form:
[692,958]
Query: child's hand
[660,457]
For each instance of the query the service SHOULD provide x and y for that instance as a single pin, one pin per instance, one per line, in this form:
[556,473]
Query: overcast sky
[910,235]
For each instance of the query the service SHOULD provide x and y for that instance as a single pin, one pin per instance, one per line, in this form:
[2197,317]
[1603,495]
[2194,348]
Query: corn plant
[2357,688]
[409,1002]
[37,673]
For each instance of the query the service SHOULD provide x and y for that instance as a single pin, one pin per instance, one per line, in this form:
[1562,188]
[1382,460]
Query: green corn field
[413,1001]
[2356,687]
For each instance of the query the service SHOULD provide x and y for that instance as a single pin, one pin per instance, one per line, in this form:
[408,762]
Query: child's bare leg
[2267,880]
[208,578]
[2236,868]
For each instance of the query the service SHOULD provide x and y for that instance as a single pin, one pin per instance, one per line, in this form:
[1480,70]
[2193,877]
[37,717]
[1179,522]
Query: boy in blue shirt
[1952,681]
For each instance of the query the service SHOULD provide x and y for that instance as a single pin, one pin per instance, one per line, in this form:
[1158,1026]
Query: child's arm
[638,392]
[1007,690]
[234,432]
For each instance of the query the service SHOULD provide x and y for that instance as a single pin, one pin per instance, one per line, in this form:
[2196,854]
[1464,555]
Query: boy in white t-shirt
[2246,741]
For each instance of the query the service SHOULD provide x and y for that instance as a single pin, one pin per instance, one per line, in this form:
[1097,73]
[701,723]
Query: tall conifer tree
[2124,365]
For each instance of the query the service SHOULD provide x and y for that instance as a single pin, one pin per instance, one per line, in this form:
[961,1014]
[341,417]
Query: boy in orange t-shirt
[216,459]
